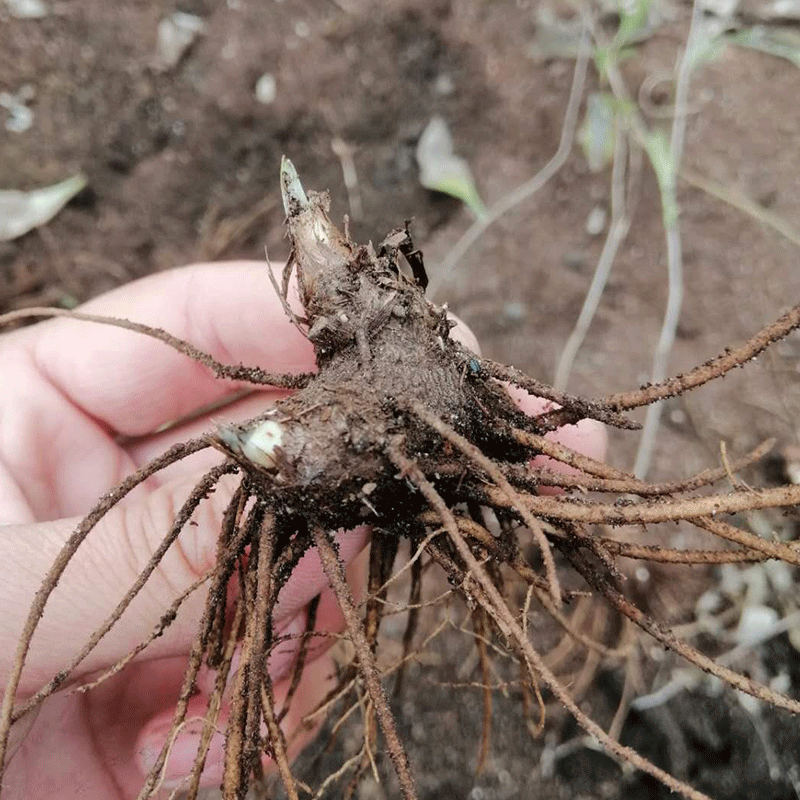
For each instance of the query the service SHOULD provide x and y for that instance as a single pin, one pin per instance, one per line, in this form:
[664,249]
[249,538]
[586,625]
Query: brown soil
[182,165]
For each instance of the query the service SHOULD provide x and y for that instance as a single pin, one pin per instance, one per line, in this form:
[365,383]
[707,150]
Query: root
[335,574]
[300,661]
[570,457]
[691,508]
[585,408]
[666,555]
[199,493]
[490,599]
[233,372]
[238,764]
[672,387]
[187,689]
[225,562]
[716,368]
[202,641]
[262,643]
[167,618]
[564,649]
[215,701]
[479,626]
[670,640]
[790,553]
[530,478]
[414,597]
[515,501]
[383,551]
[471,529]
[392,385]
[254,675]
[277,739]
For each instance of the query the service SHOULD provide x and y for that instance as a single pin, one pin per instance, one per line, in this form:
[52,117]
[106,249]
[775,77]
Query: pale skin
[78,407]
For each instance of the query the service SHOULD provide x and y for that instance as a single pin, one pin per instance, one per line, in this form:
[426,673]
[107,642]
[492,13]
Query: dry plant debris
[405,429]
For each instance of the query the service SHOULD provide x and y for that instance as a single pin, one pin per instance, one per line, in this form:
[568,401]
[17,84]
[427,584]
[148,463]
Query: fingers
[107,563]
[318,678]
[588,436]
[133,383]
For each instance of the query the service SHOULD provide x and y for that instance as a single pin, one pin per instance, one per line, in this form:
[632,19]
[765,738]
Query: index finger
[132,383]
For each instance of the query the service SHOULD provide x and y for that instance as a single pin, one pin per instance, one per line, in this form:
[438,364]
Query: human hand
[78,410]
[78,407]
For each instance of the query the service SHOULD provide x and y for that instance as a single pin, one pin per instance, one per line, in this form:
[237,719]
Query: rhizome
[404,429]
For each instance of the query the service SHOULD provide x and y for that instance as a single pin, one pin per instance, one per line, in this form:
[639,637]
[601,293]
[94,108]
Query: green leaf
[635,26]
[659,152]
[633,19]
[781,42]
[777,41]
[441,170]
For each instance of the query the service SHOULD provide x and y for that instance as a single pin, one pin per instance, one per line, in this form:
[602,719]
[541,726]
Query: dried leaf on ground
[21,212]
[441,170]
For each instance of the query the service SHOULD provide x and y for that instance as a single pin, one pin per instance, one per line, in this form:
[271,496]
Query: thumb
[106,565]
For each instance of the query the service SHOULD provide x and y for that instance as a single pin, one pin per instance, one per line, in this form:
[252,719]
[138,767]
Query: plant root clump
[408,431]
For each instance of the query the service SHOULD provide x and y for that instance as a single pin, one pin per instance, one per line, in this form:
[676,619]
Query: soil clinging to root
[406,430]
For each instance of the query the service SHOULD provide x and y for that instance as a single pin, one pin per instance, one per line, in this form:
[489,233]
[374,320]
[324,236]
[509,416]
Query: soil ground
[182,166]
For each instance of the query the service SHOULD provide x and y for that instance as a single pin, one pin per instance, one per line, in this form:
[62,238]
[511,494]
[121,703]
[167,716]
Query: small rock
[754,620]
[677,416]
[791,463]
[724,9]
[514,311]
[794,637]
[443,85]
[780,575]
[596,221]
[266,89]
[27,9]
[782,682]
[575,260]
[786,9]
[732,582]
[708,603]
[752,705]
[20,117]
[758,589]
[176,33]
